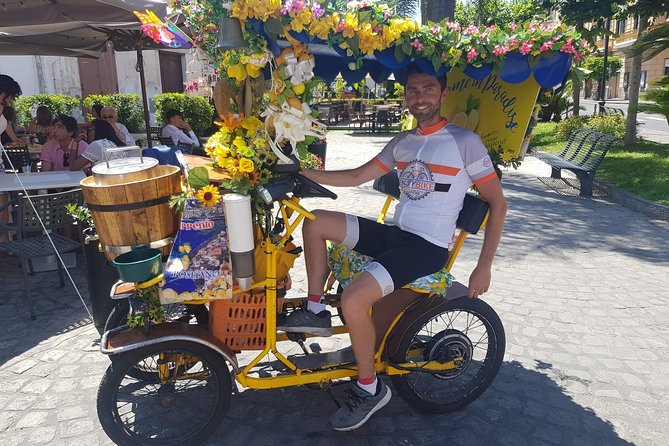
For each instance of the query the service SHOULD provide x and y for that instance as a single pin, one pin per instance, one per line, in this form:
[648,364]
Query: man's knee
[353,305]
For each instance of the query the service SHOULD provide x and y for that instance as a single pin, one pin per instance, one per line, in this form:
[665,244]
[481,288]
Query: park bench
[613,111]
[583,153]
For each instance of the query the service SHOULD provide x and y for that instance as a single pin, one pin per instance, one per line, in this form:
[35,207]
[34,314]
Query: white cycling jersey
[436,166]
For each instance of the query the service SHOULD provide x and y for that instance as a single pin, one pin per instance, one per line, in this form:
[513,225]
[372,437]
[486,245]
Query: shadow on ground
[298,416]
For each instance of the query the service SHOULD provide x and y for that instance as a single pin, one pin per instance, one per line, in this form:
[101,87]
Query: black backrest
[18,156]
[51,210]
[470,218]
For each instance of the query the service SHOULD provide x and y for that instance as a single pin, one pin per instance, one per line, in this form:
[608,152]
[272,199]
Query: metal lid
[121,166]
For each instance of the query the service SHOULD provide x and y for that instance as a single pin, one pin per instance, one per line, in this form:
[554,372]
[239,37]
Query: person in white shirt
[178,129]
[110,115]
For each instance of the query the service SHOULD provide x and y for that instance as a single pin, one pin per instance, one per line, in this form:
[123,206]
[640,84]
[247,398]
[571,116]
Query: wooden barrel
[133,214]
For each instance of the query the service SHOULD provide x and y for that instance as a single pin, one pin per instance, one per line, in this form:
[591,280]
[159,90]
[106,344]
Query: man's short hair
[171,113]
[69,123]
[413,68]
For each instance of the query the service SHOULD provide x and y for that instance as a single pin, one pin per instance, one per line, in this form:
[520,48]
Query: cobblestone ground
[581,286]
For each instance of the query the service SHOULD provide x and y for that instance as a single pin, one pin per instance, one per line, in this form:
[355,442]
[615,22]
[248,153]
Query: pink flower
[316,10]
[387,15]
[513,26]
[547,45]
[471,29]
[379,29]
[513,42]
[341,25]
[453,25]
[525,47]
[471,54]
[534,25]
[499,50]
[443,56]
[435,30]
[577,56]
[417,44]
[492,27]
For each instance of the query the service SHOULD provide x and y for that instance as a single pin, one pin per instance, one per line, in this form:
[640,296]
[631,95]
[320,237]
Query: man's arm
[346,178]
[491,191]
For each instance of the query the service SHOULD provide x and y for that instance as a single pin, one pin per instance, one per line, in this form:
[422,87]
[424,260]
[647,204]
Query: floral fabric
[347,264]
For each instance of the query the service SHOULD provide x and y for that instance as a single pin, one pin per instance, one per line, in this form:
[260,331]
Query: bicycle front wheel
[180,402]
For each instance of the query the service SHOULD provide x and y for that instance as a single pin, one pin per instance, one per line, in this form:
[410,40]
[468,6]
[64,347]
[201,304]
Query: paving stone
[42,435]
[32,419]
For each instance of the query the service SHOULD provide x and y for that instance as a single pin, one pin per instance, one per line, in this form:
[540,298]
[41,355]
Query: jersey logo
[416,180]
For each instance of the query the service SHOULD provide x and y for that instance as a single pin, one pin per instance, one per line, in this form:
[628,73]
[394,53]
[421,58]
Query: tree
[437,10]
[488,12]
[659,98]
[595,66]
[405,8]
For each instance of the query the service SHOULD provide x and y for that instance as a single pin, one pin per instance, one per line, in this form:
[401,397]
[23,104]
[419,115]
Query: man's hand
[479,281]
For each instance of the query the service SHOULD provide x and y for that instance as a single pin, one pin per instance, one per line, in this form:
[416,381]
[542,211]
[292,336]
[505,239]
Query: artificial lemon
[299,89]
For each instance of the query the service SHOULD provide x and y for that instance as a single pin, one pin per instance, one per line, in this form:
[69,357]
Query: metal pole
[605,64]
[145,101]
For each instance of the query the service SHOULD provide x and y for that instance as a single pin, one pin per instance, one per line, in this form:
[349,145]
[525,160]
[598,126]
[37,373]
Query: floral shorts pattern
[347,264]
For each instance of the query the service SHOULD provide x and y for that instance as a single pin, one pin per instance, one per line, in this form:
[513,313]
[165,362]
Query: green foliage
[128,106]
[609,124]
[198,177]
[500,12]
[568,126]
[659,98]
[196,110]
[59,104]
[154,313]
[338,87]
[79,213]
[596,67]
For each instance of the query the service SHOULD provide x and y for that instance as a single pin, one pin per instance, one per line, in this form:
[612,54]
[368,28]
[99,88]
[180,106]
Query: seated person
[40,125]
[110,115]
[101,137]
[178,129]
[66,145]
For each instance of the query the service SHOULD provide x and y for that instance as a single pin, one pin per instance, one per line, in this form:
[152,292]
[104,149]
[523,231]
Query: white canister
[241,243]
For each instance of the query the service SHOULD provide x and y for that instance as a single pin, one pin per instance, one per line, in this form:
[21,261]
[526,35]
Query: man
[9,90]
[110,115]
[65,147]
[178,129]
[437,163]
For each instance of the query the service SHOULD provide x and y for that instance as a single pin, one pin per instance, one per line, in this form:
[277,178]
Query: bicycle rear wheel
[465,330]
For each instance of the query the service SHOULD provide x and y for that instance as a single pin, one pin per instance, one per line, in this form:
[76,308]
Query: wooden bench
[583,154]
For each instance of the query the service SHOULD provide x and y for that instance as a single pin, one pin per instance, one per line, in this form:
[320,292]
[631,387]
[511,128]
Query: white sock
[315,307]
[369,388]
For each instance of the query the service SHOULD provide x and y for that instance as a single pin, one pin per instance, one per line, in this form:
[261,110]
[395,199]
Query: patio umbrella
[79,28]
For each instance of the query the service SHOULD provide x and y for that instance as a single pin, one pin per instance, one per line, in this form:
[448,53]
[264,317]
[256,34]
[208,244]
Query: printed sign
[497,111]
[198,267]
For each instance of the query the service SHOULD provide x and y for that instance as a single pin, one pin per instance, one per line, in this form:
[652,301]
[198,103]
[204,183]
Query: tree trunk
[635,84]
[437,10]
[576,99]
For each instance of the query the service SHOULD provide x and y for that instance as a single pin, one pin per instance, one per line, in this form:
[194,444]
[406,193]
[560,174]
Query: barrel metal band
[127,206]
[123,249]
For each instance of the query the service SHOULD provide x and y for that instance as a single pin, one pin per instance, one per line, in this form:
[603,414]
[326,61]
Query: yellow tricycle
[172,383]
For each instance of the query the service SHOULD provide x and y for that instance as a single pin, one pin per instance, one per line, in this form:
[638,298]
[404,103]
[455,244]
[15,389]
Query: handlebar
[292,183]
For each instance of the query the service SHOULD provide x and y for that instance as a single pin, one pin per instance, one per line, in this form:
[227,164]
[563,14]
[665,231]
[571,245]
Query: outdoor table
[215,175]
[41,180]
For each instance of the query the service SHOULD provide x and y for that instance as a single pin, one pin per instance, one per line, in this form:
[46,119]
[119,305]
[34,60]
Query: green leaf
[198,177]
[273,27]
[399,53]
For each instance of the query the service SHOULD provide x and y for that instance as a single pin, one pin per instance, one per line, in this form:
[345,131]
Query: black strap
[441,187]
[127,206]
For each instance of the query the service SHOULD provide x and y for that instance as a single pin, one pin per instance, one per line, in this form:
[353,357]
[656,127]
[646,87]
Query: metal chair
[50,209]
[155,133]
[19,157]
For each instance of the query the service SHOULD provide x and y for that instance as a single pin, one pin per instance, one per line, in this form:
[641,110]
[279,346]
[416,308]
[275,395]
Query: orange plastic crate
[240,322]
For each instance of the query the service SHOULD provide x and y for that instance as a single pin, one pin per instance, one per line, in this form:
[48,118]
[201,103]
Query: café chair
[19,157]
[31,240]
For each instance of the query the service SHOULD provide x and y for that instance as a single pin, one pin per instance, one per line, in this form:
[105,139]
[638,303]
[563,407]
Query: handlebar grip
[311,188]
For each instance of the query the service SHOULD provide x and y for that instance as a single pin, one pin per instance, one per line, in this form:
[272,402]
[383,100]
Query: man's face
[109,116]
[177,121]
[6,99]
[423,95]
[60,133]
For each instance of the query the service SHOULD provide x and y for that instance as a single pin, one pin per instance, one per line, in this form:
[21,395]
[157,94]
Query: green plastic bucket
[139,265]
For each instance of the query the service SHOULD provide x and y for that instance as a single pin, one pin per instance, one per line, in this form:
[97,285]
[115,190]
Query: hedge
[128,106]
[196,110]
[59,104]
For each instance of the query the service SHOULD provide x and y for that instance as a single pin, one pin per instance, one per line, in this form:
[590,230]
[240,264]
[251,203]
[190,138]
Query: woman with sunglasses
[65,147]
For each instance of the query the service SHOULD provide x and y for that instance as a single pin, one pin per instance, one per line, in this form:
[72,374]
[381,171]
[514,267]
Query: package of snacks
[198,267]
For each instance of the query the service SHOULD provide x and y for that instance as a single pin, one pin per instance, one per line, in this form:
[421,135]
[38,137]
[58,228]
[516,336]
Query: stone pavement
[581,286]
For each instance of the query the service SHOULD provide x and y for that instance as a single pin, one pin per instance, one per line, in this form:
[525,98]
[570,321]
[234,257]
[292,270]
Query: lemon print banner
[497,111]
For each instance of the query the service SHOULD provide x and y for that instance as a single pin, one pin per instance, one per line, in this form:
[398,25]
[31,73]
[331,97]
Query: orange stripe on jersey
[381,165]
[401,164]
[444,170]
[486,178]
[433,128]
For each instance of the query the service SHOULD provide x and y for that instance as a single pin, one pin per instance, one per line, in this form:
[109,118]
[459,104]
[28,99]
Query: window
[636,22]
[666,66]
[642,83]
[620,26]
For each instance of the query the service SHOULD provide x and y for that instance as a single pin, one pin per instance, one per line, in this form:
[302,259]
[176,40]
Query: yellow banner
[497,111]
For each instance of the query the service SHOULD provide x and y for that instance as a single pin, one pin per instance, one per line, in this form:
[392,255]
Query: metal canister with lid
[118,167]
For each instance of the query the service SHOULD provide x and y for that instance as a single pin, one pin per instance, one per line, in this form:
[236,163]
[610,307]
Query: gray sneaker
[302,320]
[359,406]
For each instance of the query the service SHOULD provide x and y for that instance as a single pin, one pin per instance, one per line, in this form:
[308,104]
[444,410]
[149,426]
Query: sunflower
[253,178]
[209,195]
